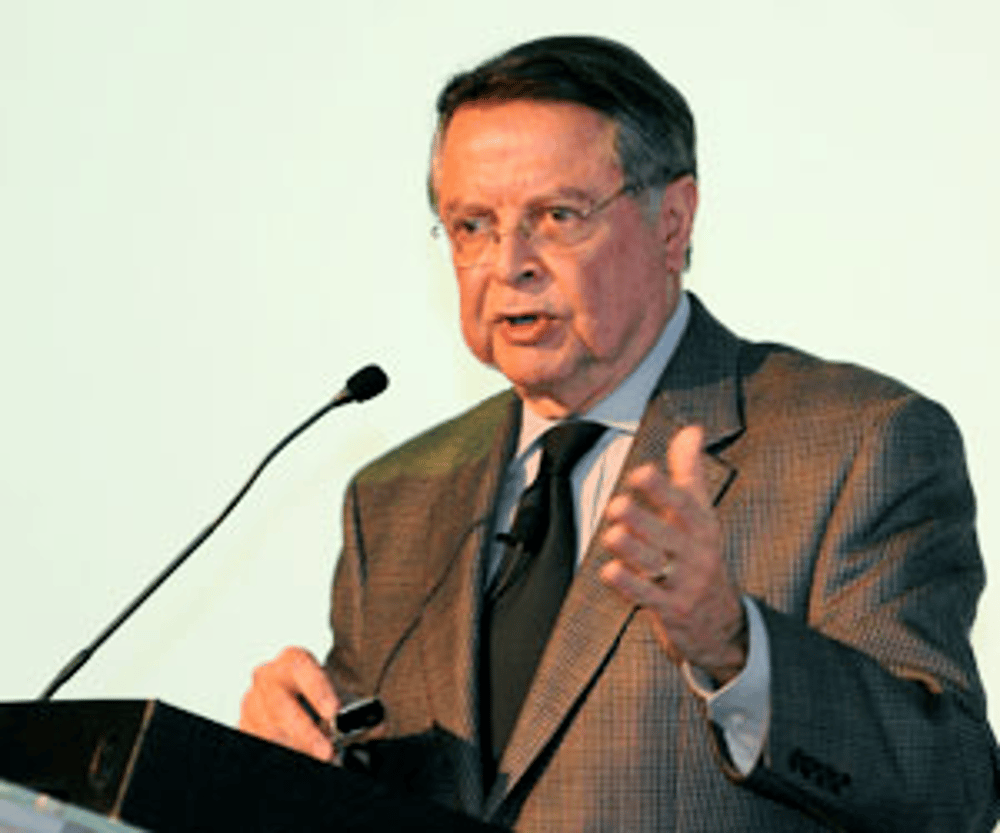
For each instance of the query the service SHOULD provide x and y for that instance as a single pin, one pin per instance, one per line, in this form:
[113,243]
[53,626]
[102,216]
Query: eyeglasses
[556,225]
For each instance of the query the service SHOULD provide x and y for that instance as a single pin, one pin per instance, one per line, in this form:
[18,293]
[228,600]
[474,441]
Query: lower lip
[526,332]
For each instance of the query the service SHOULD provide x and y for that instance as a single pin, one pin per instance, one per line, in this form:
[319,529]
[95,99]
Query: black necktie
[524,598]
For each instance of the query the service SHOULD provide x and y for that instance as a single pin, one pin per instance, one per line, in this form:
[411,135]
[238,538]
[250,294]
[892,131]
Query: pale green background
[212,212]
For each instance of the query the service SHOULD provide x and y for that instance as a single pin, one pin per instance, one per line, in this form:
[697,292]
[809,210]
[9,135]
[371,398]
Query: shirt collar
[621,409]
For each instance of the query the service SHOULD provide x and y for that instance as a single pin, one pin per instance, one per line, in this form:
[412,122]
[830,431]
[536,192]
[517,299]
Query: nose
[516,258]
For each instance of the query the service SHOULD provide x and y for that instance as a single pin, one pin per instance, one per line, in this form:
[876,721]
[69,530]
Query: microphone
[368,382]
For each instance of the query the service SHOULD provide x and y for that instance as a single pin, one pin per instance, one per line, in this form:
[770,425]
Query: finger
[684,462]
[675,504]
[631,586]
[300,676]
[645,557]
[272,711]
[637,517]
[678,529]
[310,680]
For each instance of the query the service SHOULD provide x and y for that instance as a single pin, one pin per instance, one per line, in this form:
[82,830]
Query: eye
[559,223]
[561,214]
[465,228]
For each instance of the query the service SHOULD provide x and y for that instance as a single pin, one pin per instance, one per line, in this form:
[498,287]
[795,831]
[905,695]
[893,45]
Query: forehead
[512,151]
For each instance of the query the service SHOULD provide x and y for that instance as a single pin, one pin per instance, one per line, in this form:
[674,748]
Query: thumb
[684,462]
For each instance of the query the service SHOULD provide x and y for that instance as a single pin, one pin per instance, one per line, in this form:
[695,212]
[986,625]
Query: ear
[675,221]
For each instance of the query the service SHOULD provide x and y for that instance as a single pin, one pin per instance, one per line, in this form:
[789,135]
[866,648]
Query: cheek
[605,326]
[473,319]
[598,309]
[612,309]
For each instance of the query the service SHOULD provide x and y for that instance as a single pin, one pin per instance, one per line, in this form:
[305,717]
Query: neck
[583,393]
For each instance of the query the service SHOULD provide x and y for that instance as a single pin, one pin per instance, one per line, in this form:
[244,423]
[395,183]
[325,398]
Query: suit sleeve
[878,718]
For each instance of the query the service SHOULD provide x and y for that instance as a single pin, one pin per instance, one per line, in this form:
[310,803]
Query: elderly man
[673,580]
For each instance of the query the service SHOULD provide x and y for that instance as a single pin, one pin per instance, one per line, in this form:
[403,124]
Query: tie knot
[565,444]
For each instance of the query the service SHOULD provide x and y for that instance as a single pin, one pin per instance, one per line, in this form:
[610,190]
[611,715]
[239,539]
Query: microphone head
[368,382]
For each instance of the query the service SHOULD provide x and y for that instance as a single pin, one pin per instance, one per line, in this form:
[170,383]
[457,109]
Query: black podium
[166,770]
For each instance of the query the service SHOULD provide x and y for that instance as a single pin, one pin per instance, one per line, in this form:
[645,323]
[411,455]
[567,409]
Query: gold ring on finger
[663,575]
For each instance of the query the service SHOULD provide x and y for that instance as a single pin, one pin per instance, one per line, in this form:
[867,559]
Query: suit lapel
[698,386]
[458,531]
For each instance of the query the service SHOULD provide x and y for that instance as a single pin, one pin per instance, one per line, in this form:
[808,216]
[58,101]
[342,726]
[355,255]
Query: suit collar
[701,384]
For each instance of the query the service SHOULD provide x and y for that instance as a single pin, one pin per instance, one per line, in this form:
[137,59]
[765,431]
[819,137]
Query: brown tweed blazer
[848,515]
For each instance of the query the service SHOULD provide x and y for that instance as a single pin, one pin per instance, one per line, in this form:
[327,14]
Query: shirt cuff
[742,707]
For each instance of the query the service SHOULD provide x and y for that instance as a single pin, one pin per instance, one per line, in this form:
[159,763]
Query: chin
[536,385]
[530,373]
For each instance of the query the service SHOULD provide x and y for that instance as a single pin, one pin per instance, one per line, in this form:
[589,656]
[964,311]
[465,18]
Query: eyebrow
[560,193]
[466,207]
[566,192]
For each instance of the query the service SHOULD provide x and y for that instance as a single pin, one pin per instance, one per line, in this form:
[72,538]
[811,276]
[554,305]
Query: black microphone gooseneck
[368,382]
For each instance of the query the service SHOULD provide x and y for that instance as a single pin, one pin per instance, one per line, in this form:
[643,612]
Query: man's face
[564,324]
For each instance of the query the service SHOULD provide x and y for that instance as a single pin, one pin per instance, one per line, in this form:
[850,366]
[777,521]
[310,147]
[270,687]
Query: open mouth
[517,320]
[526,328]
